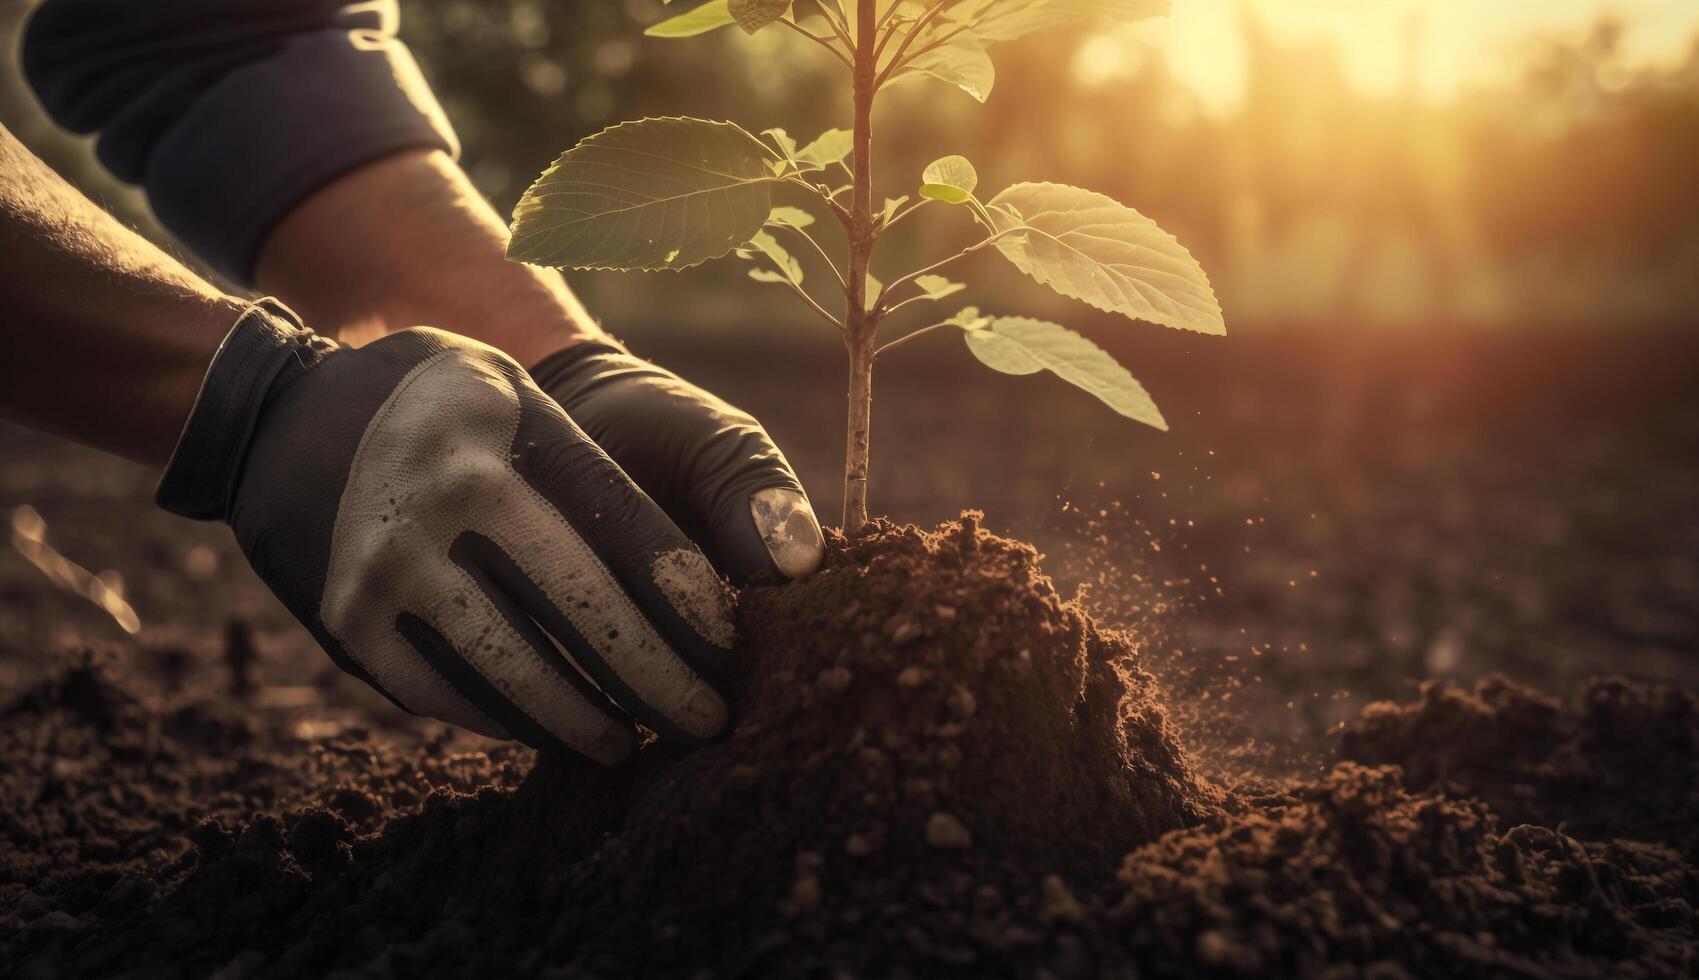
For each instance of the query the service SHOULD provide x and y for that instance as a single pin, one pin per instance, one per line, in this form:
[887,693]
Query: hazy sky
[1463,40]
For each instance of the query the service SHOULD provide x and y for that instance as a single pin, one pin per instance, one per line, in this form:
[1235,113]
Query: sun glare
[1432,48]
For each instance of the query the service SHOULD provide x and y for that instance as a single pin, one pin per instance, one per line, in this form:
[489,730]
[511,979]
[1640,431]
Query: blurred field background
[1377,161]
[1452,428]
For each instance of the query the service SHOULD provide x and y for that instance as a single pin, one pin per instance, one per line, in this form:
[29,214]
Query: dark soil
[1619,759]
[1189,781]
[938,767]
[1351,876]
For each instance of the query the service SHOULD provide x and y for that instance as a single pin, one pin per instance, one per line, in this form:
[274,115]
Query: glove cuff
[266,349]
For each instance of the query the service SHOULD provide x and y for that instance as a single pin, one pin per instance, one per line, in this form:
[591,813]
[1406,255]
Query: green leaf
[961,61]
[1089,247]
[752,15]
[950,179]
[1020,345]
[870,293]
[784,214]
[828,148]
[1001,20]
[891,206]
[969,318]
[782,140]
[789,269]
[937,287]
[663,193]
[710,16]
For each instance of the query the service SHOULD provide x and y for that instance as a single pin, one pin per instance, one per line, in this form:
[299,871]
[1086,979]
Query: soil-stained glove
[709,465]
[428,514]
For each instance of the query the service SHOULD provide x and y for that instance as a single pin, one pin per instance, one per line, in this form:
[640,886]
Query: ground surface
[1334,520]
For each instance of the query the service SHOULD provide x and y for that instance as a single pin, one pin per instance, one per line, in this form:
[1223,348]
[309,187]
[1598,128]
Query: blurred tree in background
[1563,194]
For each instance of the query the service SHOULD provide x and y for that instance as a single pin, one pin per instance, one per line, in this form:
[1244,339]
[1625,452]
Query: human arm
[435,521]
[322,170]
[121,376]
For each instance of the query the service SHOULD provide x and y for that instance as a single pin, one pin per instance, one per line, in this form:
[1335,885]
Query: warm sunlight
[1439,45]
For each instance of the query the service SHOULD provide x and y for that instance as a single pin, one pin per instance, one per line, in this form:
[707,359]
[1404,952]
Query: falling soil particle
[998,794]
[944,830]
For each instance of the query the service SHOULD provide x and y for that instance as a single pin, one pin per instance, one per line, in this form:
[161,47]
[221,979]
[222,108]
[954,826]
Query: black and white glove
[451,537]
[710,466]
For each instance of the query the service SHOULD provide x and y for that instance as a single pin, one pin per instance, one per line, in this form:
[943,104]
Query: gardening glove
[453,539]
[710,466]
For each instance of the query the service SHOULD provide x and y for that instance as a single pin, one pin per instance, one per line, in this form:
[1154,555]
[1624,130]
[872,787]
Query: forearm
[407,241]
[107,337]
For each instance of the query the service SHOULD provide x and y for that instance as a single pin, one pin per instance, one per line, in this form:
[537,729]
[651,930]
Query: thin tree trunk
[860,324]
[860,431]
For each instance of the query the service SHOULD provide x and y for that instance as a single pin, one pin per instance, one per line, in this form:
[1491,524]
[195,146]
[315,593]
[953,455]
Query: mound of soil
[940,768]
[1619,759]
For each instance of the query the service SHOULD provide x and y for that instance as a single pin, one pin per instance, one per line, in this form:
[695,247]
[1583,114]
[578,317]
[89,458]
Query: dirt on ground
[940,767]
[1314,710]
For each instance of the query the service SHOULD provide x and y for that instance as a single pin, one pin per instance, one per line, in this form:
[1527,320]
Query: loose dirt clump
[1351,876]
[1620,759]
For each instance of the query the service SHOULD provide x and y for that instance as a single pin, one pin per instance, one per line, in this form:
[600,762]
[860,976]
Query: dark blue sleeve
[230,112]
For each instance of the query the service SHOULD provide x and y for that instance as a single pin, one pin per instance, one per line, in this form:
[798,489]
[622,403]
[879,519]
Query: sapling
[673,192]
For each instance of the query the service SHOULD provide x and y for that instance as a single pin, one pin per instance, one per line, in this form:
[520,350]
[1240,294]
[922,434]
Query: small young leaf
[1019,345]
[950,179]
[969,318]
[662,193]
[891,206]
[871,295]
[752,15]
[784,214]
[828,148]
[710,16]
[782,140]
[764,244]
[1092,248]
[962,61]
[937,287]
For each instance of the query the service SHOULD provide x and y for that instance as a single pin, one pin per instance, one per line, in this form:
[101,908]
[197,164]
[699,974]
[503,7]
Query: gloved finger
[364,610]
[613,742]
[746,503]
[587,612]
[482,642]
[650,591]
[711,466]
[760,523]
[388,658]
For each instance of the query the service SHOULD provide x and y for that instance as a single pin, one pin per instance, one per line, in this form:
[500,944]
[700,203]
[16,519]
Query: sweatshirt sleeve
[228,113]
